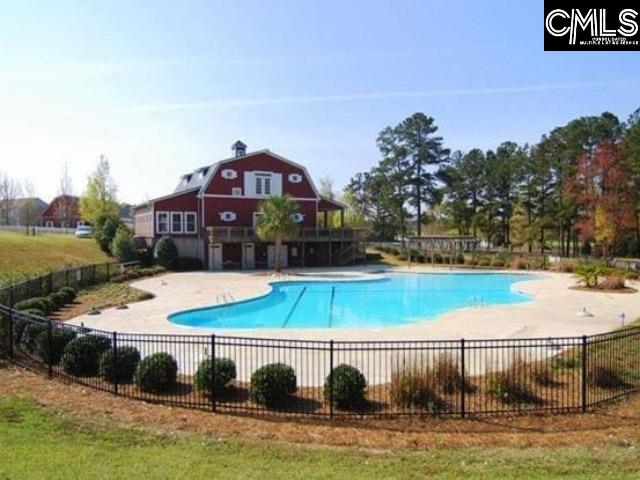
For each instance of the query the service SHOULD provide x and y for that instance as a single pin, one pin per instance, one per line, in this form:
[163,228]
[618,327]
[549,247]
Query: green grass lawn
[37,443]
[22,256]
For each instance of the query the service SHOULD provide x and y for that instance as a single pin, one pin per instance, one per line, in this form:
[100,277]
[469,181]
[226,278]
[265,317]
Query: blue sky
[164,87]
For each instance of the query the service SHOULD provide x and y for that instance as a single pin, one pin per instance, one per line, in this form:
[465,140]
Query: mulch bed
[618,424]
[604,290]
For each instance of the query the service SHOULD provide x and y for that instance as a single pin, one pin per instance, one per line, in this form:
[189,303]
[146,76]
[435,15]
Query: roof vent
[239,149]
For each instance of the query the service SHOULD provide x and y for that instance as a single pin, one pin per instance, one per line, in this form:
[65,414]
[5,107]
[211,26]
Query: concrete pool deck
[552,312]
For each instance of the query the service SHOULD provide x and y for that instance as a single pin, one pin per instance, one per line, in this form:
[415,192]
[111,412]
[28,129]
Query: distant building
[62,212]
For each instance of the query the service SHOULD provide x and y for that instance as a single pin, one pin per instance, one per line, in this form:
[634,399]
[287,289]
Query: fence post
[331,378]
[584,373]
[114,338]
[49,349]
[463,389]
[213,372]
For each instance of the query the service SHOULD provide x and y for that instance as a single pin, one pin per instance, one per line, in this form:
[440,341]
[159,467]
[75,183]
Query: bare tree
[67,205]
[9,193]
[29,214]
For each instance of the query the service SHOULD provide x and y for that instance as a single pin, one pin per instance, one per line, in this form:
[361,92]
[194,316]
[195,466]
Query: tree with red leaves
[602,188]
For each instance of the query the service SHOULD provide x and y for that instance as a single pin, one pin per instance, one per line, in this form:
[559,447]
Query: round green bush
[81,356]
[57,299]
[34,311]
[157,373]
[165,252]
[119,278]
[127,359]
[69,294]
[60,337]
[273,385]
[30,335]
[132,274]
[346,385]
[40,303]
[225,372]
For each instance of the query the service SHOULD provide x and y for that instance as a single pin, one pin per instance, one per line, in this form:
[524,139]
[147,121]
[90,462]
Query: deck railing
[246,234]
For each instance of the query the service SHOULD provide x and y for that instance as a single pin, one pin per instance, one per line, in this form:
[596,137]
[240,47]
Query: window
[162,222]
[229,174]
[49,224]
[176,222]
[190,225]
[256,216]
[236,191]
[295,177]
[298,217]
[227,216]
[262,184]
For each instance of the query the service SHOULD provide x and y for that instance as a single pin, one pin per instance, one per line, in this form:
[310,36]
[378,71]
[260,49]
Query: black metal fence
[401,378]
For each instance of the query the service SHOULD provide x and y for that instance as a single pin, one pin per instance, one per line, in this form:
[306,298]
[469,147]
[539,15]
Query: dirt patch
[604,290]
[619,423]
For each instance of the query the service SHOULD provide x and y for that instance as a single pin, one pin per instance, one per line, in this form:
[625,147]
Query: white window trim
[229,174]
[298,217]
[181,222]
[295,178]
[195,222]
[256,215]
[236,192]
[158,222]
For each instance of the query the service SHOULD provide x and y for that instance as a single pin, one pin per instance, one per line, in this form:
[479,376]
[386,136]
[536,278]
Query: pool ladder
[225,297]
[478,301]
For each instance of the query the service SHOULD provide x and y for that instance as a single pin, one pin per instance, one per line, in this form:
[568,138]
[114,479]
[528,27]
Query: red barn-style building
[62,212]
[212,213]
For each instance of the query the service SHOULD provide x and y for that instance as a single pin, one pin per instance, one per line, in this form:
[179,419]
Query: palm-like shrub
[121,368]
[345,385]
[276,223]
[589,273]
[157,373]
[211,381]
[412,387]
[273,385]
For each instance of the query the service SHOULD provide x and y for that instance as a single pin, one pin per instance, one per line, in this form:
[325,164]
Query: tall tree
[28,212]
[99,198]
[600,186]
[65,189]
[424,150]
[632,153]
[9,194]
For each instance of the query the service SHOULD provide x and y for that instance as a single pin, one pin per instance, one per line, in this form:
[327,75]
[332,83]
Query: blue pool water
[397,299]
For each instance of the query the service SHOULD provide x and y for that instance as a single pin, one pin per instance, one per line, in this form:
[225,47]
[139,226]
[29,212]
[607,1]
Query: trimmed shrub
[519,263]
[420,258]
[225,373]
[402,257]
[414,388]
[41,303]
[57,300]
[394,251]
[157,269]
[81,356]
[145,272]
[132,274]
[273,385]
[186,264]
[128,359]
[484,262]
[119,278]
[30,334]
[60,337]
[165,252]
[460,259]
[566,361]
[157,373]
[437,258]
[34,311]
[123,246]
[606,377]
[69,294]
[346,384]
[510,387]
[496,262]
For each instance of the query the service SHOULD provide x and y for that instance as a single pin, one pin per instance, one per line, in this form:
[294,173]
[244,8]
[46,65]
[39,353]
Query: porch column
[342,218]
[326,219]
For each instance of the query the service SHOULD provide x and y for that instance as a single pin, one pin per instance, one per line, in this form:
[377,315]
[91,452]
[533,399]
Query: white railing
[23,229]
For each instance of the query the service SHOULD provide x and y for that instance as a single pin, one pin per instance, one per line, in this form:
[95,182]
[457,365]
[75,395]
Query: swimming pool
[396,299]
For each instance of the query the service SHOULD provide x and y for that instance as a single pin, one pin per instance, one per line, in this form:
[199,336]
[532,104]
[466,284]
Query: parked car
[84,231]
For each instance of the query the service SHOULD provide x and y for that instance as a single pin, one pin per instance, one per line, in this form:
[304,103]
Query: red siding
[186,202]
[244,208]
[265,162]
[56,211]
